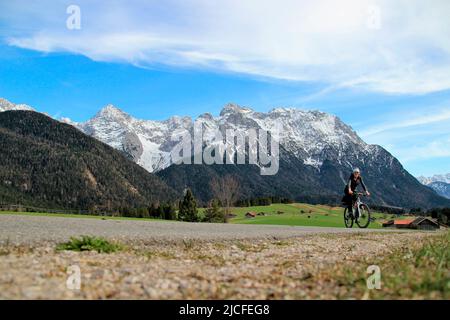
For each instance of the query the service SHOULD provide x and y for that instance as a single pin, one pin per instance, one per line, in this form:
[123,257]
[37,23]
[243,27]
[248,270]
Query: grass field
[300,214]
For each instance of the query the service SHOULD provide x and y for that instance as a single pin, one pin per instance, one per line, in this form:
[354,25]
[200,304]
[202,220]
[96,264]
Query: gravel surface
[28,229]
[294,268]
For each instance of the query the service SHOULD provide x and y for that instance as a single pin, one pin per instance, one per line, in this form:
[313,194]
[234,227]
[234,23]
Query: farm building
[424,223]
[403,224]
[250,214]
[420,223]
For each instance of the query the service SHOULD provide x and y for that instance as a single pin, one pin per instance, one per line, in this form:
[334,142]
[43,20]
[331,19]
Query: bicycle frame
[357,204]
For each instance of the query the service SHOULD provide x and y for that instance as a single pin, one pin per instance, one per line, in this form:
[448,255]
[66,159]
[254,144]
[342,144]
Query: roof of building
[403,222]
[422,219]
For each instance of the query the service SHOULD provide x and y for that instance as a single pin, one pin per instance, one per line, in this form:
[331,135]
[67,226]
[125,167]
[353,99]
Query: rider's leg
[350,208]
[347,199]
[355,208]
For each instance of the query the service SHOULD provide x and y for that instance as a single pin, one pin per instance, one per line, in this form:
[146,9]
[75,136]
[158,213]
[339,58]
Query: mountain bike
[360,215]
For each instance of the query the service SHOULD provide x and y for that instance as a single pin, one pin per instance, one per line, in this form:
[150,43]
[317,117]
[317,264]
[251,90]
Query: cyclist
[353,182]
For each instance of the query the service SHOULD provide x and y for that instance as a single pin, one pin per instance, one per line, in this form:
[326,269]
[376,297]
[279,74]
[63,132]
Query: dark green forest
[50,164]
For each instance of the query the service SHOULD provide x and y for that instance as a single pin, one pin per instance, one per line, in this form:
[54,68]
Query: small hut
[250,214]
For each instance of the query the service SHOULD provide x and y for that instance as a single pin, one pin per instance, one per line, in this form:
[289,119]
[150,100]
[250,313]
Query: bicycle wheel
[348,219]
[363,220]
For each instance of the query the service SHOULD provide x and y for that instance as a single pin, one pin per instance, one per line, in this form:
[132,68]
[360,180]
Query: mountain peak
[111,111]
[436,178]
[232,108]
[6,105]
[282,110]
[206,116]
[179,120]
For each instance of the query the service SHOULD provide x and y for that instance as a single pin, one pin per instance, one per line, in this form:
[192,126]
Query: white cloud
[412,135]
[433,149]
[326,41]
[396,122]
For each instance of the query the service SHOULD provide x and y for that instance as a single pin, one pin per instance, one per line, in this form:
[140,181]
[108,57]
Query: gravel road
[307,267]
[26,229]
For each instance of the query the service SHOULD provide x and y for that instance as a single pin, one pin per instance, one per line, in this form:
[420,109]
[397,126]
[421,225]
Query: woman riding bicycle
[353,182]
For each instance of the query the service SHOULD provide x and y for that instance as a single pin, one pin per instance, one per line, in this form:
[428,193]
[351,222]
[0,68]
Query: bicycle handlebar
[361,194]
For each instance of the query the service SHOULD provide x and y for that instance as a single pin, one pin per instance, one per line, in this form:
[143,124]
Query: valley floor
[311,265]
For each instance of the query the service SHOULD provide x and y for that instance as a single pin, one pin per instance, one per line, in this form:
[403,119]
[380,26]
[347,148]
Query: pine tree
[188,208]
[214,213]
[160,211]
[170,213]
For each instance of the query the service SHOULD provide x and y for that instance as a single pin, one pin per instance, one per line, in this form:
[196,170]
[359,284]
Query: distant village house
[250,214]
[420,223]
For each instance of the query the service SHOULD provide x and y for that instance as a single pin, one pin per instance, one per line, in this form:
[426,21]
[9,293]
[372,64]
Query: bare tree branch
[226,190]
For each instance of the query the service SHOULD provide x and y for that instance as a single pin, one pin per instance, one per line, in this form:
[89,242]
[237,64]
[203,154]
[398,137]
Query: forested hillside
[47,163]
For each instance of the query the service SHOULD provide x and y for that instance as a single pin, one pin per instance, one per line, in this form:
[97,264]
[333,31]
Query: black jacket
[354,183]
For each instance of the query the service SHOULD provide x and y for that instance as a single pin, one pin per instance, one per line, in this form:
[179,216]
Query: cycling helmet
[356,170]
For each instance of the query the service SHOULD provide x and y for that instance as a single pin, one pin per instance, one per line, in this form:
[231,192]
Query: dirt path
[191,269]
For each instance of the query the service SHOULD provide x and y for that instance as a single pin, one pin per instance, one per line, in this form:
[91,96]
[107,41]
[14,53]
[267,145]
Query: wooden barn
[420,223]
[424,223]
[250,214]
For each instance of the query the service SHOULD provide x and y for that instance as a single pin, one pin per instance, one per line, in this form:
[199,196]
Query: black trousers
[348,199]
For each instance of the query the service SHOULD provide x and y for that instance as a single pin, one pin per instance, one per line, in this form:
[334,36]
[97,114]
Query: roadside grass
[89,243]
[419,271]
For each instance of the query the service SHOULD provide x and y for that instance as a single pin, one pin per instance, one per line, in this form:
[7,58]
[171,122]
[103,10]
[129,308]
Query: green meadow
[301,214]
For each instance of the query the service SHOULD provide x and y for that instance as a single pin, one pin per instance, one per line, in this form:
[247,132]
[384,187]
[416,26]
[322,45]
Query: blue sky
[383,68]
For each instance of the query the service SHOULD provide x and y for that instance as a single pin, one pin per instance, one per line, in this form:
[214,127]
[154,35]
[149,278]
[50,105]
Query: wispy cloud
[414,136]
[396,122]
[433,149]
[404,49]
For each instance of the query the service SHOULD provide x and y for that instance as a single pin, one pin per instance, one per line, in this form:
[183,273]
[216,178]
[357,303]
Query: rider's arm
[363,185]
[349,184]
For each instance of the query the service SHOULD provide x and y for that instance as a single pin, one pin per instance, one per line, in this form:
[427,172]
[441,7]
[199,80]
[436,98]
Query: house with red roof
[420,223]
[250,214]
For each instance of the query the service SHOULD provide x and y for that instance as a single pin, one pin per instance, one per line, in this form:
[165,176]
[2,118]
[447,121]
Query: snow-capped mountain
[5,105]
[441,188]
[147,142]
[436,178]
[439,183]
[307,134]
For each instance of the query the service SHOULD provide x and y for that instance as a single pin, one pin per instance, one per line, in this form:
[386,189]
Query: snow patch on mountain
[439,183]
[6,105]
[436,178]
